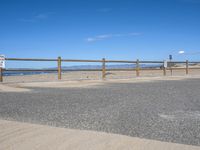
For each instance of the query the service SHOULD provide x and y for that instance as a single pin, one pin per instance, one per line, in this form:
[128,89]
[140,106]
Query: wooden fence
[103,61]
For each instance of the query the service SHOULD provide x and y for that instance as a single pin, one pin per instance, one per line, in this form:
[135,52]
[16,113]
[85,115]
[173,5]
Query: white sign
[165,64]
[2,61]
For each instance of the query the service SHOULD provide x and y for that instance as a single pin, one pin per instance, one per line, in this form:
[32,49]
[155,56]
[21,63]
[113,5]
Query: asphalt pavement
[160,110]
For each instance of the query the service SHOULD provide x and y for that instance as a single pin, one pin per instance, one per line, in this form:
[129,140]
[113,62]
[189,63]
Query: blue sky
[93,29]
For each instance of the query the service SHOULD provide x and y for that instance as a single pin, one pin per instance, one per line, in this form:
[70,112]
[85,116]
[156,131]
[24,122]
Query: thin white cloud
[108,36]
[99,37]
[104,10]
[37,17]
[42,16]
[190,1]
[181,52]
[189,53]
[27,20]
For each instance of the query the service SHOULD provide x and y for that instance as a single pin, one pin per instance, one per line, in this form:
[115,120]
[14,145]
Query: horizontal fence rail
[31,70]
[103,61]
[29,59]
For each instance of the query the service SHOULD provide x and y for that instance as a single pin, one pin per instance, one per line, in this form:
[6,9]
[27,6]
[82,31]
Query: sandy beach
[97,75]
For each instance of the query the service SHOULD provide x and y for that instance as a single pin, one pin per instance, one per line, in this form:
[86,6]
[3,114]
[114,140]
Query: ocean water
[19,73]
[76,68]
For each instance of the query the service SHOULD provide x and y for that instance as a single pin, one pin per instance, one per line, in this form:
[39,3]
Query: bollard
[103,68]
[187,69]
[137,68]
[59,68]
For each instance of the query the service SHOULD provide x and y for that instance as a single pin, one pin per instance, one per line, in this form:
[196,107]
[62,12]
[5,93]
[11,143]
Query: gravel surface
[162,110]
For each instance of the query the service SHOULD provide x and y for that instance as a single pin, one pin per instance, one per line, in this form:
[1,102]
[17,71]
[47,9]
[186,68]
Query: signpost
[170,57]
[165,63]
[2,61]
[2,66]
[164,67]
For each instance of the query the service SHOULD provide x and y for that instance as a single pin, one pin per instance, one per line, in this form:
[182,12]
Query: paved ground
[23,136]
[160,110]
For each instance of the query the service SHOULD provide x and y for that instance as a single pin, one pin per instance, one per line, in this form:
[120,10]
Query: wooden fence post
[137,68]
[164,69]
[59,68]
[187,67]
[1,74]
[103,68]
